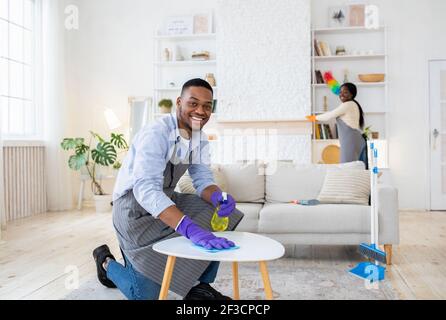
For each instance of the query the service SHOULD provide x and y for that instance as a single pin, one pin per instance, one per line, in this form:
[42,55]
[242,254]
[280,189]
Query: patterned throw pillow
[348,186]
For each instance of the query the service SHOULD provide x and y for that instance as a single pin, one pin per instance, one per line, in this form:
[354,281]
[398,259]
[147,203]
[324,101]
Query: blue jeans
[136,286]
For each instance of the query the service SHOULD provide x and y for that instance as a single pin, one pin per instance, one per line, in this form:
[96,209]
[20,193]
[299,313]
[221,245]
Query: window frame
[35,119]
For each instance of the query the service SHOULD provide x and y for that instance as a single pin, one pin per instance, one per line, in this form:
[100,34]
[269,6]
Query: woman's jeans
[136,286]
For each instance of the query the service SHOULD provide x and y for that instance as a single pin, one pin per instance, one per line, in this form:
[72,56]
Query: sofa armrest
[388,214]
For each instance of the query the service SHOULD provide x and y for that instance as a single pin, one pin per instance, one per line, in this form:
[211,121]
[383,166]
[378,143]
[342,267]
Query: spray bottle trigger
[225,197]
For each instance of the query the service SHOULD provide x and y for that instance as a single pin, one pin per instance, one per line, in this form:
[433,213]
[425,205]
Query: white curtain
[2,189]
[54,105]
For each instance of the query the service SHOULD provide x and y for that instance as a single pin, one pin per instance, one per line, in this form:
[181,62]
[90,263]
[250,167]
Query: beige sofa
[263,194]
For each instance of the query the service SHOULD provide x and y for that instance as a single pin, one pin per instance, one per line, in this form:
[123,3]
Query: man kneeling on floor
[147,210]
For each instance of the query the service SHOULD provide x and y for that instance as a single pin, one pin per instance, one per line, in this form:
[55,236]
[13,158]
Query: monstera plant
[104,154]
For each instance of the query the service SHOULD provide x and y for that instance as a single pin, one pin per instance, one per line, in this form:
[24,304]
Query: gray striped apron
[137,231]
[352,142]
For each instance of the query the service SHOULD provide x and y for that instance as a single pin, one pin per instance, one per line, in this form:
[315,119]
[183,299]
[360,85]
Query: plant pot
[102,203]
[165,109]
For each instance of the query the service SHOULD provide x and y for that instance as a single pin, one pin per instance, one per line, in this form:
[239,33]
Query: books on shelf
[318,76]
[324,132]
[321,48]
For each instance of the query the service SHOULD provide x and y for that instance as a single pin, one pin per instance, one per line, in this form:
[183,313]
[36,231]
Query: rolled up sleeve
[200,169]
[148,172]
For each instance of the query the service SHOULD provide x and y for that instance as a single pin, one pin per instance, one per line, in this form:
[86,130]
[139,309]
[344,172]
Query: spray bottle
[220,223]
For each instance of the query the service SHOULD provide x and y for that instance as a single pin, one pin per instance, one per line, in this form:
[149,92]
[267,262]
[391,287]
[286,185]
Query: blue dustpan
[369,271]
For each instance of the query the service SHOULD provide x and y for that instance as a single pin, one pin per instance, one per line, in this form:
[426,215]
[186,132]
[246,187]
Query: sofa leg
[388,250]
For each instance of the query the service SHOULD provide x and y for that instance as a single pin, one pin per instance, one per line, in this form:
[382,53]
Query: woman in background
[350,122]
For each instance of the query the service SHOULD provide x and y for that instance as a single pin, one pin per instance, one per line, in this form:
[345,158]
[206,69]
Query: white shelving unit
[366,53]
[170,75]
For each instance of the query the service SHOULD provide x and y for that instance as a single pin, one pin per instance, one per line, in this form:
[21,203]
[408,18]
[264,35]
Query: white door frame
[428,135]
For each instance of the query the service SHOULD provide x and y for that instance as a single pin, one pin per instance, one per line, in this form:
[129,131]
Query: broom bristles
[370,251]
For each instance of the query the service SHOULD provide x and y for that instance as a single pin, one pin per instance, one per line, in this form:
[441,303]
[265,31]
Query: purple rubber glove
[201,237]
[225,201]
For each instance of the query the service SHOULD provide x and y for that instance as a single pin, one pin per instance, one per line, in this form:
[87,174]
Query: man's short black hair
[197,83]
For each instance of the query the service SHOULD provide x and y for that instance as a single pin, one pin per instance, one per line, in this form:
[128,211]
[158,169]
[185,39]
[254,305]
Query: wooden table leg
[167,277]
[235,280]
[266,282]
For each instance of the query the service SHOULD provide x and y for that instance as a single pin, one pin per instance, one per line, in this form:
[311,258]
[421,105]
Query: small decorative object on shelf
[211,79]
[375,135]
[165,105]
[325,103]
[340,51]
[176,55]
[200,55]
[167,54]
[346,72]
[337,16]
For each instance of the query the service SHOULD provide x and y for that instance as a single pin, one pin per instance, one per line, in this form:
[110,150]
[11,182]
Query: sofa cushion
[185,184]
[346,186]
[245,182]
[286,182]
[250,221]
[324,218]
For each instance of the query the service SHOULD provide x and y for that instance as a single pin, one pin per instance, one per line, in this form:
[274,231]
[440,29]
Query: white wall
[110,58]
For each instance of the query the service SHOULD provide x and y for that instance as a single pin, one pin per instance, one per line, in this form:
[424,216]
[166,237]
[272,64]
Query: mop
[368,270]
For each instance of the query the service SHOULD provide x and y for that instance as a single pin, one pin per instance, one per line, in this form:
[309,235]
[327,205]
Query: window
[17,68]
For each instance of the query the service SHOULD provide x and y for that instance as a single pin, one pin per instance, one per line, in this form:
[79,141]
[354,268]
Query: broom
[367,270]
[372,250]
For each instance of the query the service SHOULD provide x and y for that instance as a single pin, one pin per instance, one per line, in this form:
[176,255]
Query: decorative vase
[211,79]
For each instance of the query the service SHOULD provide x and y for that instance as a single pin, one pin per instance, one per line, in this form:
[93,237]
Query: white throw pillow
[346,186]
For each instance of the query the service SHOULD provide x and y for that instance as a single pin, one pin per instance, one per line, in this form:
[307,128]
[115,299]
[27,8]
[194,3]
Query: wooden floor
[39,256]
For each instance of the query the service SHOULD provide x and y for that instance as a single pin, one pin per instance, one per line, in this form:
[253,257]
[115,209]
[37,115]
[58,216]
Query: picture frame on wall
[203,23]
[338,16]
[356,15]
[180,25]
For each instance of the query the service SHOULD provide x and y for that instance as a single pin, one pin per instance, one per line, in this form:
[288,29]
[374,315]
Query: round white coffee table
[253,248]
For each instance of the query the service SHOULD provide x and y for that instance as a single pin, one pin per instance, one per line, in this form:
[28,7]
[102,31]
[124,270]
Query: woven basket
[373,77]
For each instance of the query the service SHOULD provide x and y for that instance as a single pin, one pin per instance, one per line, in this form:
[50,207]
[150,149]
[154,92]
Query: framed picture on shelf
[337,16]
[203,23]
[356,16]
[181,25]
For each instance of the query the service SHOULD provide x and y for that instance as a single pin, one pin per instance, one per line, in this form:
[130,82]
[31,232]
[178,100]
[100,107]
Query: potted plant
[104,155]
[165,105]
[367,133]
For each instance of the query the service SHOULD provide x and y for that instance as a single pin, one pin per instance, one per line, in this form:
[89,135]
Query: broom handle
[372,195]
[375,188]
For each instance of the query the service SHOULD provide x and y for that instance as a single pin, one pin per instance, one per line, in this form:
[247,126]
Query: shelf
[186,36]
[365,112]
[176,89]
[358,84]
[349,57]
[326,140]
[186,63]
[346,30]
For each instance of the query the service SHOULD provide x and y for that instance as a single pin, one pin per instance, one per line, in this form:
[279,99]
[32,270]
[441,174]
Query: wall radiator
[24,181]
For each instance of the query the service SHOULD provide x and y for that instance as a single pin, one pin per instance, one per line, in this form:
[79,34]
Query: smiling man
[146,209]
